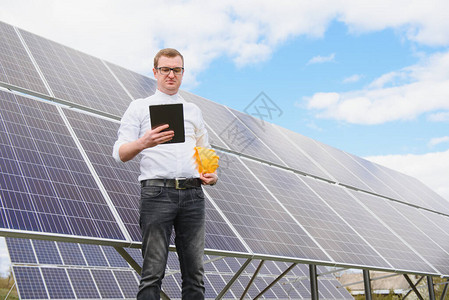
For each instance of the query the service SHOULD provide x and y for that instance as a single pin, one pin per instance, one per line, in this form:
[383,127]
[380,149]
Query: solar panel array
[46,269]
[281,196]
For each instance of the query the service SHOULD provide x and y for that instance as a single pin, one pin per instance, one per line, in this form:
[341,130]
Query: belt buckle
[177,181]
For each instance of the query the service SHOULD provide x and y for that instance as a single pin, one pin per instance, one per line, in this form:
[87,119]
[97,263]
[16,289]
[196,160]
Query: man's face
[169,83]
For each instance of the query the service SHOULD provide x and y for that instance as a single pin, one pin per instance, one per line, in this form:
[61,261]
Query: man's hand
[151,138]
[156,136]
[209,178]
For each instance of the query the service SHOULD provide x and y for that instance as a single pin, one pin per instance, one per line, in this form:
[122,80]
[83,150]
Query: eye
[165,69]
[177,70]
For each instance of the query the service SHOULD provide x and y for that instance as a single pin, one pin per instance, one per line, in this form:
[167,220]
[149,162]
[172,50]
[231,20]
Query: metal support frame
[431,288]
[252,279]
[409,292]
[313,282]
[276,280]
[136,266]
[444,292]
[413,286]
[233,279]
[129,259]
[367,284]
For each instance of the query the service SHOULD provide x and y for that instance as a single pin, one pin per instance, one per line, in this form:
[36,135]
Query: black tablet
[171,114]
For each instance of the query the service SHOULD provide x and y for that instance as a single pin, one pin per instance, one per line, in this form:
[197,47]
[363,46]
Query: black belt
[179,183]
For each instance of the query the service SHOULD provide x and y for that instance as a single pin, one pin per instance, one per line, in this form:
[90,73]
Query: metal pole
[275,281]
[252,279]
[367,284]
[430,288]
[313,282]
[413,287]
[443,294]
[233,279]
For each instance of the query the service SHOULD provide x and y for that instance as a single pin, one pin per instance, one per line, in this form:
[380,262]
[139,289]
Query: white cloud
[430,169]
[321,59]
[5,262]
[400,95]
[352,79]
[439,117]
[436,141]
[130,33]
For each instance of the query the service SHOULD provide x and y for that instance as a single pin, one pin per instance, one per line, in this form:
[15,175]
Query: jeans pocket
[199,193]
[150,192]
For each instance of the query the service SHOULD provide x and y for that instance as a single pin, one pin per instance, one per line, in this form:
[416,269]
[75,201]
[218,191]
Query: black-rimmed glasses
[166,70]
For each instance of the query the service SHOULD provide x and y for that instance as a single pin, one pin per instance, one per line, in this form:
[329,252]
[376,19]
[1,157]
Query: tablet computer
[171,114]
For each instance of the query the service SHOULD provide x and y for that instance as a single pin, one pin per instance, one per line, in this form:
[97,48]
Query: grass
[5,286]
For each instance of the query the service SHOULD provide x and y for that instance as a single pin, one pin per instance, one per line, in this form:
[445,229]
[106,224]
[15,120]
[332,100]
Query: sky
[367,77]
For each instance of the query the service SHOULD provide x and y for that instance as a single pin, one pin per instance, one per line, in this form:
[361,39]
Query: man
[167,201]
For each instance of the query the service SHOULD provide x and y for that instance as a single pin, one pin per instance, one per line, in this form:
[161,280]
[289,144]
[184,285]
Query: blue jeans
[161,209]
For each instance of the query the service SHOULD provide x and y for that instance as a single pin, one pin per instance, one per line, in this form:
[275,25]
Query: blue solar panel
[114,258]
[137,85]
[288,152]
[20,250]
[93,255]
[83,284]
[30,284]
[47,252]
[107,284]
[77,77]
[16,67]
[231,130]
[407,232]
[47,185]
[384,241]
[128,283]
[71,254]
[57,282]
[327,228]
[260,220]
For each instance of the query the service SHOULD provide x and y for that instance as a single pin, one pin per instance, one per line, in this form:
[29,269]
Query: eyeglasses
[166,70]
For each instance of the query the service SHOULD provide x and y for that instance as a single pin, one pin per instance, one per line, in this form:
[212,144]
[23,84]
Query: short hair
[168,52]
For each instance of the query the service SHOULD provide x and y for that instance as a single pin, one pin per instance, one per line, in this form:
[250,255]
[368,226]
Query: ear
[154,72]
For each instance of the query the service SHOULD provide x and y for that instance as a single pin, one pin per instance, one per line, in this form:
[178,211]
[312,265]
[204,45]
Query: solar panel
[231,130]
[436,239]
[83,283]
[46,252]
[57,282]
[30,284]
[76,77]
[340,241]
[290,154]
[405,231]
[57,177]
[137,85]
[16,67]
[97,136]
[370,228]
[76,269]
[258,218]
[47,186]
[414,191]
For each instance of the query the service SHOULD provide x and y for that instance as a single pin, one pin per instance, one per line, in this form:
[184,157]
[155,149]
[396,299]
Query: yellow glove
[206,160]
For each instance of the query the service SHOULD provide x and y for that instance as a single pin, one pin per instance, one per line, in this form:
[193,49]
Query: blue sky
[368,77]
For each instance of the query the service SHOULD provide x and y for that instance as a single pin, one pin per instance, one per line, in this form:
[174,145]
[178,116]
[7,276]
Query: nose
[171,74]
